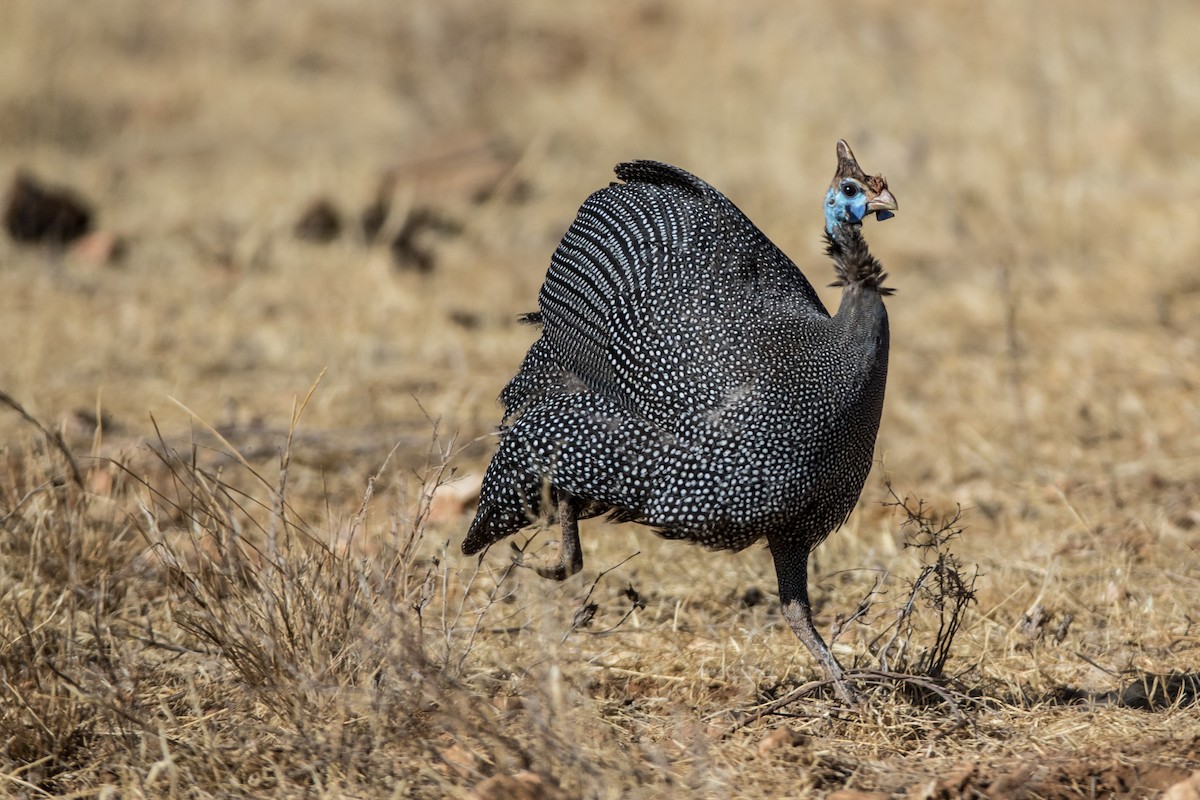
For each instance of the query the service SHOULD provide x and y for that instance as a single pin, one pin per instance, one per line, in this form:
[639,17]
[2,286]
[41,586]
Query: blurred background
[1044,156]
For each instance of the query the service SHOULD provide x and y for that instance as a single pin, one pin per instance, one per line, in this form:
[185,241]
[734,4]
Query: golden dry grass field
[222,603]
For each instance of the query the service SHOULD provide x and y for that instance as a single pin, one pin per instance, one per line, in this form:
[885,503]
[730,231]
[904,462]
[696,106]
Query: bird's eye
[849,189]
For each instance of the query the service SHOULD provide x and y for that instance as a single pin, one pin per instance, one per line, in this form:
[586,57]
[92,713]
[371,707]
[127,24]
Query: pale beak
[884,201]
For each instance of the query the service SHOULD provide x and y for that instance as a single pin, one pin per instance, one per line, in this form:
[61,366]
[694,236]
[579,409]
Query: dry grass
[254,589]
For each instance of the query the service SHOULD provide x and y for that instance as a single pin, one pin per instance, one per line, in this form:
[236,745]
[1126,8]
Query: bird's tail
[578,443]
[510,499]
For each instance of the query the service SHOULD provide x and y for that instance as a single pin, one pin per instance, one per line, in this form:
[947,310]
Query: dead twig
[952,698]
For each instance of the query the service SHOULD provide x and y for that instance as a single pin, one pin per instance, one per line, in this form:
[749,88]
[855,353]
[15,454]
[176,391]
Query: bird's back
[649,296]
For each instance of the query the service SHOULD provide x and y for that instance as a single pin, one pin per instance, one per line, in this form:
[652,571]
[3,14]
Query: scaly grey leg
[791,569]
[570,554]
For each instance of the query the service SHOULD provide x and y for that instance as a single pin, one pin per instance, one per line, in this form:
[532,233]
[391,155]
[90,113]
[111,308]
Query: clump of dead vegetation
[148,624]
[178,622]
[194,628]
[943,587]
[181,622]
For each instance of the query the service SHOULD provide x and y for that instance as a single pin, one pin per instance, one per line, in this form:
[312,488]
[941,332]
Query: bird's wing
[641,261]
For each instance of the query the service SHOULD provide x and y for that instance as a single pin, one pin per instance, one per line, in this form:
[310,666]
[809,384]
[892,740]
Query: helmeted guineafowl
[689,378]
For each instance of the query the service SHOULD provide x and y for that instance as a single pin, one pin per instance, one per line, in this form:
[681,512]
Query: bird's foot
[557,570]
[570,554]
[845,692]
[799,618]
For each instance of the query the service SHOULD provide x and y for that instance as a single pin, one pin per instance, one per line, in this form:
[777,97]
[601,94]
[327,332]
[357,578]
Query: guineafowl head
[854,194]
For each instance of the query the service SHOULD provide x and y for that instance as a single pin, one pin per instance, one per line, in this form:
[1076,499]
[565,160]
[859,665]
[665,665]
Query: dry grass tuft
[194,628]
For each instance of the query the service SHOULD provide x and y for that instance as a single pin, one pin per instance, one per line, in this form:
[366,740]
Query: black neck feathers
[852,260]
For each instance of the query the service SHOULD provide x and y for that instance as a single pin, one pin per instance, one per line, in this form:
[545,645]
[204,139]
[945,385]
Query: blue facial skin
[846,202]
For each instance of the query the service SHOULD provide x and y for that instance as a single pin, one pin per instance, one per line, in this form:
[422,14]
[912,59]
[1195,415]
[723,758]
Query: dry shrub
[66,568]
[284,603]
[193,630]
[942,587]
[181,614]
[299,621]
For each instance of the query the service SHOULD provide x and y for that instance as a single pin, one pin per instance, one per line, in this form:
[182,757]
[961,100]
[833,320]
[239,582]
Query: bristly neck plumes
[852,259]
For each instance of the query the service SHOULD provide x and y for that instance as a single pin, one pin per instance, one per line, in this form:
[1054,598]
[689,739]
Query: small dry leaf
[1014,783]
[780,738]
[1186,789]
[508,702]
[947,787]
[456,760]
[584,615]
[521,786]
[851,794]
[99,249]
[1115,593]
[100,481]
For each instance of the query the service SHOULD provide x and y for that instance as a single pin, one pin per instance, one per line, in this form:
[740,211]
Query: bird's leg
[791,568]
[570,554]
